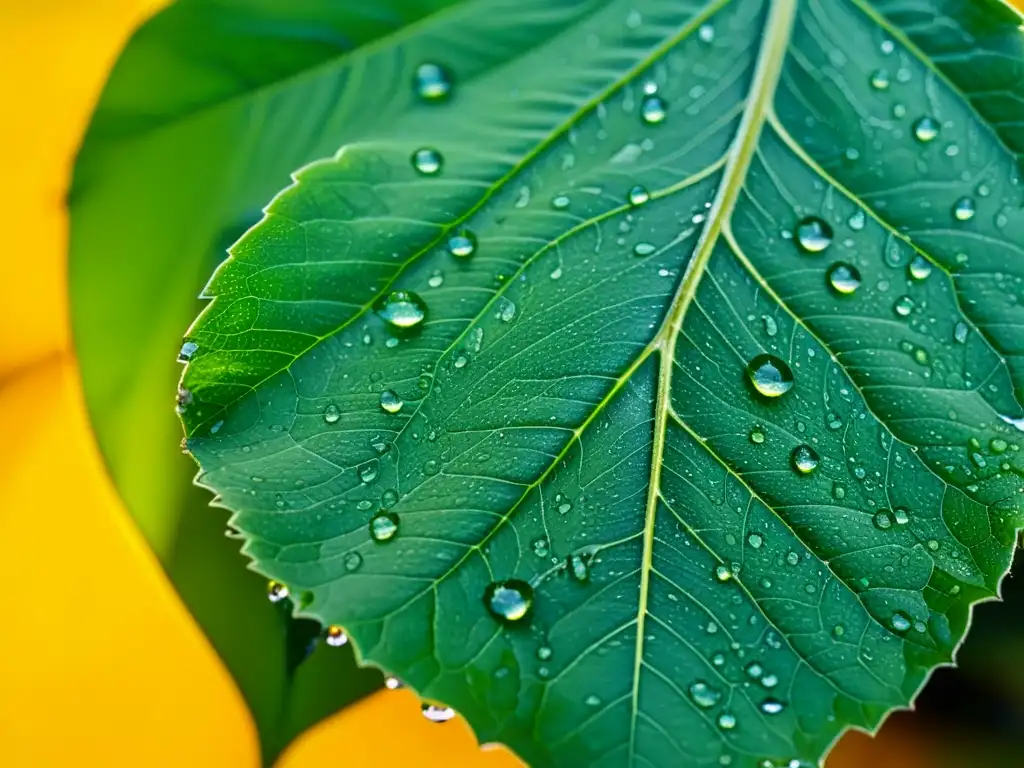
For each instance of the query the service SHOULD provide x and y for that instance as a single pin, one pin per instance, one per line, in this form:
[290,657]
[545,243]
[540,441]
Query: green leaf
[670,413]
[185,146]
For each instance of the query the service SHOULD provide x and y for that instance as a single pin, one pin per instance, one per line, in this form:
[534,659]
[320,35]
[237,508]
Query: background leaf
[210,106]
[570,406]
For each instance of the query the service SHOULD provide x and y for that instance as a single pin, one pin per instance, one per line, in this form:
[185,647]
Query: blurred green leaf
[657,398]
[210,107]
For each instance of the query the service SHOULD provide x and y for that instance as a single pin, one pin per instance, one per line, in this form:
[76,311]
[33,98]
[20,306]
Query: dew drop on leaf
[336,636]
[722,573]
[703,695]
[925,129]
[754,670]
[904,306]
[643,249]
[857,221]
[880,79]
[276,591]
[433,83]
[726,721]
[638,195]
[772,706]
[509,601]
[462,244]
[963,209]
[706,33]
[920,267]
[756,436]
[652,110]
[771,376]
[900,622]
[437,714]
[353,562]
[755,540]
[883,520]
[332,414]
[390,402]
[560,202]
[383,526]
[813,235]
[844,278]
[578,567]
[401,309]
[427,161]
[392,683]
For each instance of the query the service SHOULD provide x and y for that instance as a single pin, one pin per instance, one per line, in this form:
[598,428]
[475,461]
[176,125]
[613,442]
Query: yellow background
[100,663]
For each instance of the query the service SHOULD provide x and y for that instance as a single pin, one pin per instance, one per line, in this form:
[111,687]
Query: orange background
[100,663]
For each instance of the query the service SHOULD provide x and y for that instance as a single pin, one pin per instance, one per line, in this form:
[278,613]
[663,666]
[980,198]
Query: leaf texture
[705,436]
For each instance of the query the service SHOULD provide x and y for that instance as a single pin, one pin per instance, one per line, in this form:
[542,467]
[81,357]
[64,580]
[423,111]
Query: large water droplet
[638,195]
[883,520]
[336,636]
[644,249]
[771,376]
[427,161]
[704,695]
[961,332]
[433,82]
[462,244]
[390,402]
[332,414]
[920,267]
[900,622]
[813,235]
[963,209]
[401,309]
[436,714]
[652,110]
[383,526]
[755,540]
[276,591]
[509,601]
[925,129]
[805,459]
[844,278]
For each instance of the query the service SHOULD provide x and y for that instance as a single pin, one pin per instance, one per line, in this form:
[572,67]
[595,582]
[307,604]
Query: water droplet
[704,695]
[900,622]
[560,202]
[643,249]
[368,472]
[462,244]
[888,46]
[883,520]
[433,83]
[813,235]
[188,349]
[509,601]
[638,195]
[353,562]
[392,683]
[754,670]
[880,79]
[706,33]
[857,221]
[401,309]
[332,414]
[592,701]
[383,526]
[544,653]
[771,376]
[769,681]
[390,402]
[793,558]
[904,306]
[963,209]
[925,129]
[755,540]
[652,110]
[336,636]
[578,567]
[756,436]
[920,267]
[436,714]
[276,591]
[726,721]
[805,459]
[998,445]
[722,573]
[844,278]
[772,706]
[838,630]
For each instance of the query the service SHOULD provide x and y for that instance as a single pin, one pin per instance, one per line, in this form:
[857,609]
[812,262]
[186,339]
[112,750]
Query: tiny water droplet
[771,376]
[880,79]
[383,526]
[857,221]
[276,591]
[772,706]
[560,202]
[336,636]
[883,520]
[433,83]
[813,235]
[401,309]
[793,558]
[722,573]
[838,630]
[462,244]
[638,195]
[805,459]
[652,110]
[436,714]
[755,540]
[353,562]
[390,402]
[844,278]
[756,436]
[706,33]
[578,567]
[900,622]
[643,249]
[963,209]
[704,695]
[920,267]
[726,721]
[960,332]
[754,670]
[925,129]
[392,683]
[592,700]
[389,498]
[331,414]
[509,601]
[904,306]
